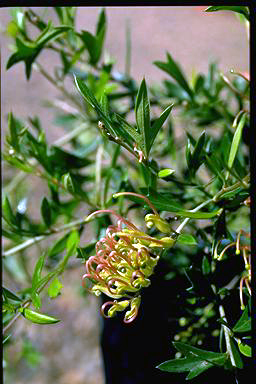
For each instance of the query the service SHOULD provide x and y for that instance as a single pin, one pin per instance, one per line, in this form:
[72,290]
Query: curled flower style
[246,253]
[123,263]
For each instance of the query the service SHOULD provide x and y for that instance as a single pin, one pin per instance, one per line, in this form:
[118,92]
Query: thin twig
[36,239]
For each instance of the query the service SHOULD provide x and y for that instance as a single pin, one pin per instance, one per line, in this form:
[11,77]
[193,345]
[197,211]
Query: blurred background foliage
[121,135]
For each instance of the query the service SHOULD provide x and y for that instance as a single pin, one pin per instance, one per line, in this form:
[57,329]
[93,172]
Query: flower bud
[130,315]
[161,224]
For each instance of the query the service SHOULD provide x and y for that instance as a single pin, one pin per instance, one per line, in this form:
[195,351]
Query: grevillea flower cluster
[123,263]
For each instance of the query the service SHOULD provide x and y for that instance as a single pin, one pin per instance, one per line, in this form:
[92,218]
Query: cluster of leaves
[209,186]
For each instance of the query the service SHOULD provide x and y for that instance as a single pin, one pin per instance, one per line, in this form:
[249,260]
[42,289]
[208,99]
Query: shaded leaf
[206,266]
[10,295]
[181,364]
[158,123]
[7,212]
[236,355]
[174,70]
[85,252]
[46,212]
[186,239]
[59,246]
[244,323]
[213,357]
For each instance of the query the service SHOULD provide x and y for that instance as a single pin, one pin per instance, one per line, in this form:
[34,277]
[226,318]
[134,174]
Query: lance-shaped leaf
[7,212]
[91,99]
[158,123]
[197,156]
[244,323]
[93,43]
[10,295]
[28,51]
[36,317]
[46,212]
[236,140]
[174,70]
[37,272]
[142,115]
[186,239]
[128,132]
[196,360]
[14,131]
[212,357]
[164,203]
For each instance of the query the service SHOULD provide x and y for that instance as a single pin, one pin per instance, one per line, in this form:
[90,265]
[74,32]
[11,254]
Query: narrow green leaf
[85,252]
[37,272]
[174,70]
[200,368]
[90,44]
[180,365]
[86,93]
[10,295]
[128,132]
[59,246]
[51,33]
[244,323]
[46,212]
[165,203]
[72,243]
[188,152]
[236,140]
[206,266]
[13,131]
[7,212]
[176,91]
[158,123]
[196,158]
[236,355]
[186,239]
[36,317]
[213,357]
[90,98]
[142,115]
[18,163]
[28,51]
[36,300]
[100,34]
[101,23]
[105,104]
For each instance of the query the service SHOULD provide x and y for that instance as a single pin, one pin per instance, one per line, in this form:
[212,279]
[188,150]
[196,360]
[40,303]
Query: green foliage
[37,318]
[28,51]
[239,9]
[121,138]
[196,361]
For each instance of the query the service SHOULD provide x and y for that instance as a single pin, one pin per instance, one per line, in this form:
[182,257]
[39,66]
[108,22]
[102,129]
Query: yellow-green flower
[123,263]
